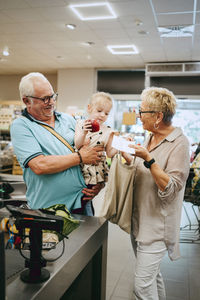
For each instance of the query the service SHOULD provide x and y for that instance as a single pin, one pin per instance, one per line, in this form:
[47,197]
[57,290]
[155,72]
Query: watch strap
[148,164]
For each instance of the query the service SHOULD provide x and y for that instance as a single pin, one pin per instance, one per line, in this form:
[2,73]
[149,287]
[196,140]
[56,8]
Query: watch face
[146,164]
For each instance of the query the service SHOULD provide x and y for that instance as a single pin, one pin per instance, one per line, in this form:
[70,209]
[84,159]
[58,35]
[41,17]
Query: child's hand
[87,126]
[127,157]
[129,138]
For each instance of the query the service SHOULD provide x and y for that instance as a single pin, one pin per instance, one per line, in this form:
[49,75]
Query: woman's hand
[160,177]
[91,193]
[141,152]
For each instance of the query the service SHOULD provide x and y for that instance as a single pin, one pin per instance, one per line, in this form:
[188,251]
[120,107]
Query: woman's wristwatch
[148,164]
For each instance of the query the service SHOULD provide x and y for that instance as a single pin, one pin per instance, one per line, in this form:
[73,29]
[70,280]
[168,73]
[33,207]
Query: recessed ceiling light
[71,26]
[88,11]
[60,57]
[123,49]
[143,32]
[88,43]
[138,22]
[6,52]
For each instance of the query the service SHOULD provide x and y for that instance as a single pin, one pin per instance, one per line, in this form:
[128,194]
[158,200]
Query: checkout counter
[79,274]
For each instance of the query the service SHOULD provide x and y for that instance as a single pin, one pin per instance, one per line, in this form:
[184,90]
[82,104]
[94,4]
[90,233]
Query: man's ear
[27,101]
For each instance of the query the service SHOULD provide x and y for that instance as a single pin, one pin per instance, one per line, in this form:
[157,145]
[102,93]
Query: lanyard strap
[59,137]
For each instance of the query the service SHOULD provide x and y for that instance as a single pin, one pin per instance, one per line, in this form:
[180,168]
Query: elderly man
[51,170]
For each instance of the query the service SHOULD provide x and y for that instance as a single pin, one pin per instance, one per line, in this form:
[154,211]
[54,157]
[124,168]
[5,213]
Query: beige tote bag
[118,200]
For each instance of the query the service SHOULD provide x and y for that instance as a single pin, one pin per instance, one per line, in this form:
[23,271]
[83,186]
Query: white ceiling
[35,33]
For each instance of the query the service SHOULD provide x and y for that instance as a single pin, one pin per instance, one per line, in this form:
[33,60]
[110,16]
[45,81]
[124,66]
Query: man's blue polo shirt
[29,140]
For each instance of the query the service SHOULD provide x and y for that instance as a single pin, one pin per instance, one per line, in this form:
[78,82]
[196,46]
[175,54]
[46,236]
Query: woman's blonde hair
[161,100]
[100,97]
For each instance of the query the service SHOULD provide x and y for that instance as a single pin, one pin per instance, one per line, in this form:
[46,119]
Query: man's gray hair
[26,87]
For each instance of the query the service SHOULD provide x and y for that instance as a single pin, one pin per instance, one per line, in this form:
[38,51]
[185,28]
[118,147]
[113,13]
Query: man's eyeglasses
[46,99]
[146,112]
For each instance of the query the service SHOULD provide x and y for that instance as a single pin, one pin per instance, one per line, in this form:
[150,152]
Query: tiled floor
[182,277]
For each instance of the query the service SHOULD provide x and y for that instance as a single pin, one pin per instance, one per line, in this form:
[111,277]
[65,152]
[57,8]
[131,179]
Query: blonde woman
[162,169]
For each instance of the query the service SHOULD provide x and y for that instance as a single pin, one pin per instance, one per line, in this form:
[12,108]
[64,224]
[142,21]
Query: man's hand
[91,155]
[91,193]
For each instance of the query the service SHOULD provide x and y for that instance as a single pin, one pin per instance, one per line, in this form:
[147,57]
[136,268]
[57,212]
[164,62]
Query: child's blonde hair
[100,97]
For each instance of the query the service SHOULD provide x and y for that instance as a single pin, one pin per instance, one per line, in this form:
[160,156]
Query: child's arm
[126,155]
[110,151]
[80,133]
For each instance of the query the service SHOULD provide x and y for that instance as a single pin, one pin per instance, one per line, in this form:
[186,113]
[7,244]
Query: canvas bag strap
[59,137]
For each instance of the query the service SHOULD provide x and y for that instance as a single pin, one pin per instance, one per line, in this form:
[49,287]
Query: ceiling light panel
[71,26]
[123,49]
[93,11]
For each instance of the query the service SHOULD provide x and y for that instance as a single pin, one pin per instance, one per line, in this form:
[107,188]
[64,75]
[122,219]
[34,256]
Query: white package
[121,144]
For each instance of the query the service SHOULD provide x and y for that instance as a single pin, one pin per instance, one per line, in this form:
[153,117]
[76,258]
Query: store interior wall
[9,85]
[75,86]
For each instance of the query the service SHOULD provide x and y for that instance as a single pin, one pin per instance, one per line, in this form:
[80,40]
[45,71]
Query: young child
[98,109]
